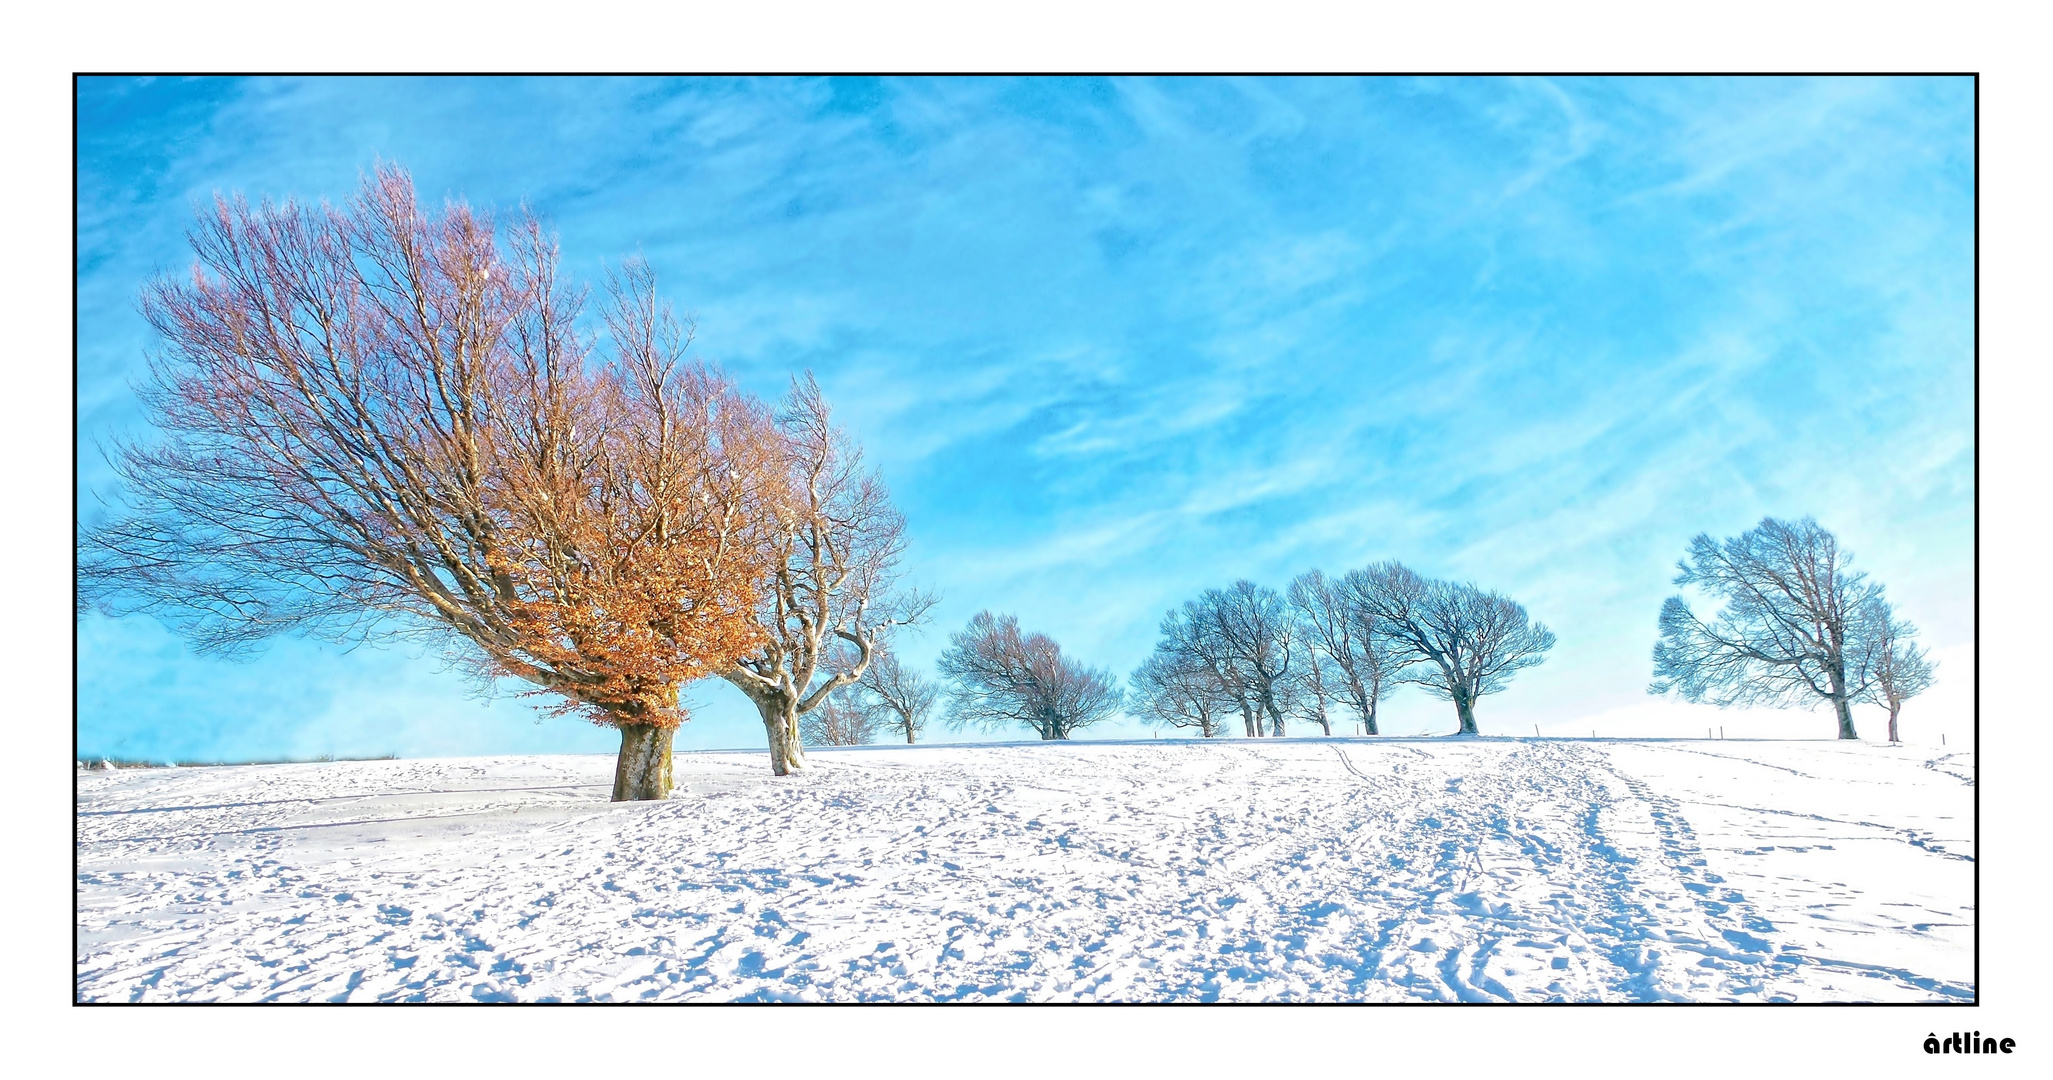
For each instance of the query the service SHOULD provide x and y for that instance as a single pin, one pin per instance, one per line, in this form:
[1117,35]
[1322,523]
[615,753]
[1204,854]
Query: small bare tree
[1002,677]
[1455,641]
[1344,634]
[1170,690]
[379,421]
[831,592]
[839,721]
[901,692]
[1898,669]
[1792,629]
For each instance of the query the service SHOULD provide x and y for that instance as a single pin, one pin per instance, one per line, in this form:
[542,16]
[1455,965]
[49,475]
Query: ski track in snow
[1294,870]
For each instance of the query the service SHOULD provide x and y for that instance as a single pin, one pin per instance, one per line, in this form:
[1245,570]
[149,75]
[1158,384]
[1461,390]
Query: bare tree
[839,721]
[1003,676]
[381,422]
[1898,668]
[1254,629]
[1453,640]
[1345,635]
[1790,633]
[832,586]
[1193,643]
[1171,690]
[900,691]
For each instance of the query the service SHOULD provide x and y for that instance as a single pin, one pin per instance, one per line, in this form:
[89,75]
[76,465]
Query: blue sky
[1115,342]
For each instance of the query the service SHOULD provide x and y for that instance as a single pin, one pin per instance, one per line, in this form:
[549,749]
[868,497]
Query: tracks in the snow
[1459,870]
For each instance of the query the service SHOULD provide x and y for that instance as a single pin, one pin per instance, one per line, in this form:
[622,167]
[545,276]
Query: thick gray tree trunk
[1465,709]
[1893,707]
[643,769]
[1845,710]
[1369,720]
[1275,714]
[780,723]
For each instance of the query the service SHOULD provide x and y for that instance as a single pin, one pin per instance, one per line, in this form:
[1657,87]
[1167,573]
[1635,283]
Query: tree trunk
[1893,707]
[1369,721]
[1046,724]
[909,732]
[1465,709]
[1325,725]
[1845,711]
[643,770]
[1247,716]
[1268,705]
[780,723]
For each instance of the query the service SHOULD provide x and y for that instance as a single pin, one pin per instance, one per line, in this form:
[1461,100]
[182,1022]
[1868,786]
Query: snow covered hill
[1300,869]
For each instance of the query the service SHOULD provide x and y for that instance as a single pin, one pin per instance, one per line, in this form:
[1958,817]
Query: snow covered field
[1300,869]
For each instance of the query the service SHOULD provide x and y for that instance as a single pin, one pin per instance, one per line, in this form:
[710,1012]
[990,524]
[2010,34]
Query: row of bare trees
[1269,657]
[1796,626]
[381,420]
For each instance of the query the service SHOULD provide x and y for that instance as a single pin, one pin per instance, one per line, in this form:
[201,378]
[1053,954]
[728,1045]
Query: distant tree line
[1325,650]
[1795,626]
[1330,646]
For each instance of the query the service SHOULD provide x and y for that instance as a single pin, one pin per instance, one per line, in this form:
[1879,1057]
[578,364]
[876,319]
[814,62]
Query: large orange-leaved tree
[378,420]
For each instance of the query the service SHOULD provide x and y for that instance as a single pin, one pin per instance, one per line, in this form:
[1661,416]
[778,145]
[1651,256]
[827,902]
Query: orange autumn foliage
[382,421]
[637,539]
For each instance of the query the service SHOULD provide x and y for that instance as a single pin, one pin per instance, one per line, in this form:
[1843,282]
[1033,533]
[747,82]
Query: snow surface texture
[1296,870]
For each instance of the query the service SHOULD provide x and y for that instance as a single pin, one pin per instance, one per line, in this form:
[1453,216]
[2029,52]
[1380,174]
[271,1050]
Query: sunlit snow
[1299,869]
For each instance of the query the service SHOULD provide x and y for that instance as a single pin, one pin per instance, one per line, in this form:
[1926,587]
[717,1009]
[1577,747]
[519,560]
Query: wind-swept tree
[1344,634]
[901,692]
[1451,639]
[1003,676]
[380,421]
[1791,630]
[1898,668]
[831,593]
[1170,690]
